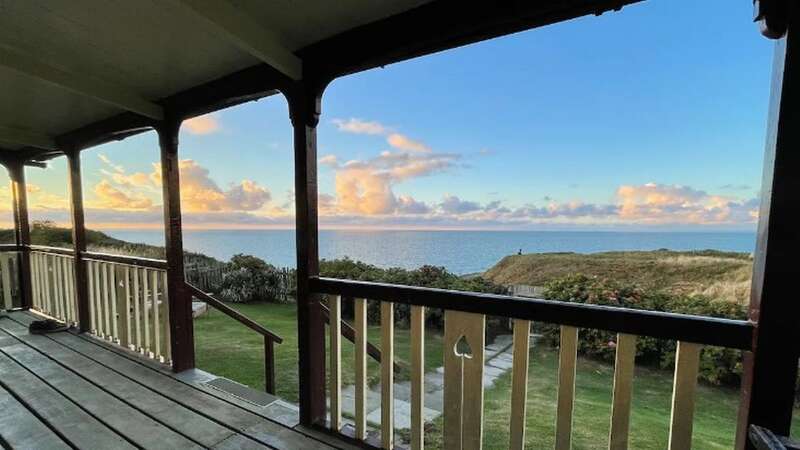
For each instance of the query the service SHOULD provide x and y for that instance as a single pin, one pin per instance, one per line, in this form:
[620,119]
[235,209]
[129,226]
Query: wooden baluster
[4,267]
[34,287]
[146,306]
[120,302]
[335,328]
[155,310]
[99,299]
[107,302]
[519,382]
[360,350]
[137,310]
[623,392]
[66,267]
[112,293]
[417,377]
[90,281]
[58,311]
[127,306]
[687,365]
[165,333]
[387,375]
[48,293]
[464,341]
[568,353]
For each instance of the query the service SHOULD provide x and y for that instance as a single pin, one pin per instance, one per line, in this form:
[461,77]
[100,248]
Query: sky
[650,118]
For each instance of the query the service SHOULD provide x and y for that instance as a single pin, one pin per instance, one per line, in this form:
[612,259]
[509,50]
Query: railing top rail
[232,313]
[663,325]
[50,249]
[129,260]
[10,248]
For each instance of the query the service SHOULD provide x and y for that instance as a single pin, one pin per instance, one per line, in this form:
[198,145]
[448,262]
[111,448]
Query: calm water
[459,251]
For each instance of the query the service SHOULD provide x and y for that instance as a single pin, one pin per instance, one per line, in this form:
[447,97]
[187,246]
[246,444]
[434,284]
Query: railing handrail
[663,325]
[232,313]
[50,249]
[124,259]
[10,248]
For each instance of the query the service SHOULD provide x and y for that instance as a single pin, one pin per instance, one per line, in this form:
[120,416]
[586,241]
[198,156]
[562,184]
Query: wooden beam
[78,239]
[436,26]
[235,26]
[19,136]
[180,302]
[22,230]
[770,370]
[81,83]
[304,109]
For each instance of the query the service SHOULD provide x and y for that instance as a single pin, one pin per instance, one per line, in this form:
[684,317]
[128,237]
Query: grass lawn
[226,348]
[229,349]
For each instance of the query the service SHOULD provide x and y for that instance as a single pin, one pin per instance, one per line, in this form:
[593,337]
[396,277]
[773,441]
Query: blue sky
[650,117]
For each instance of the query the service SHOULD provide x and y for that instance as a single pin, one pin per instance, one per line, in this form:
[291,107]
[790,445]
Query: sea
[461,252]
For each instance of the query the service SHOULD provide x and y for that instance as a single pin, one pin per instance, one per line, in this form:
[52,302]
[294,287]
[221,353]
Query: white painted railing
[128,306]
[464,346]
[9,263]
[53,285]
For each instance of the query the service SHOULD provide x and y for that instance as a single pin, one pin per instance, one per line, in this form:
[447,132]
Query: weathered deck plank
[19,428]
[69,419]
[212,407]
[180,419]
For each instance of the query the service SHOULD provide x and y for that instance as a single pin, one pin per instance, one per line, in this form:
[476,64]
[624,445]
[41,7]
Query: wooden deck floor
[68,391]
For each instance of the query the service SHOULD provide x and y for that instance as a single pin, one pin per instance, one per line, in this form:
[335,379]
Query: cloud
[116,167]
[653,203]
[206,124]
[402,142]
[454,205]
[330,161]
[111,197]
[358,126]
[199,193]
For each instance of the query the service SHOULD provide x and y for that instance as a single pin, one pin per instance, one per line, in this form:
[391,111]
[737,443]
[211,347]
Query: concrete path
[499,360]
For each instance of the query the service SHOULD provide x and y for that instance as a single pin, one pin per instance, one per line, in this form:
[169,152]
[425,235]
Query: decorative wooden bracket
[463,374]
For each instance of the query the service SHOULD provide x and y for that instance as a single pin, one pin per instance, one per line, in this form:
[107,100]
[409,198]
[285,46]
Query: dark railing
[737,334]
[270,338]
[129,260]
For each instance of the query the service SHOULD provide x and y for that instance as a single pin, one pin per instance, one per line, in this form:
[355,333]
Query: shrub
[425,276]
[719,366]
[249,279]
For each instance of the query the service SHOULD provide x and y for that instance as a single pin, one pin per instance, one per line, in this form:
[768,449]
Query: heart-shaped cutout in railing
[462,348]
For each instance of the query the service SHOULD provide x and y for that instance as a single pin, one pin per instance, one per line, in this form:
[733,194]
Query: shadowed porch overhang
[79,73]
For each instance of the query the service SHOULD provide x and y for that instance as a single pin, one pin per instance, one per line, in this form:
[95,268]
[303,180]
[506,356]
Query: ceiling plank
[83,84]
[227,21]
[19,136]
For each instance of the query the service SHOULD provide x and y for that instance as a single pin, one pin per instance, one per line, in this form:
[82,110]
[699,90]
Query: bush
[718,366]
[249,279]
[425,276]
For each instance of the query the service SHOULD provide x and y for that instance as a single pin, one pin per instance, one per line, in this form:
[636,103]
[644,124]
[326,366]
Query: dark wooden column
[180,302]
[770,370]
[78,237]
[22,229]
[304,109]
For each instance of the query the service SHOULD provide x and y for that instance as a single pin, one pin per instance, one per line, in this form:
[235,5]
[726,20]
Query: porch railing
[53,283]
[128,303]
[9,276]
[465,321]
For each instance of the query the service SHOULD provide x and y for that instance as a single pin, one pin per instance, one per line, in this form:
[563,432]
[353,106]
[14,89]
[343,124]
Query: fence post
[22,230]
[304,100]
[180,302]
[770,370]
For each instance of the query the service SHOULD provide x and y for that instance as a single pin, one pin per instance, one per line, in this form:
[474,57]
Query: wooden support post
[22,230]
[78,239]
[770,370]
[180,302]
[304,108]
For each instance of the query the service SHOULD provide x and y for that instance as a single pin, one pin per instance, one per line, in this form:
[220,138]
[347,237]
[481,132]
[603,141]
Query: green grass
[226,348]
[715,274]
[229,349]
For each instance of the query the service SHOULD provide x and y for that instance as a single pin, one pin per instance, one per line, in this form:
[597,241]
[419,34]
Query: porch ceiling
[82,72]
